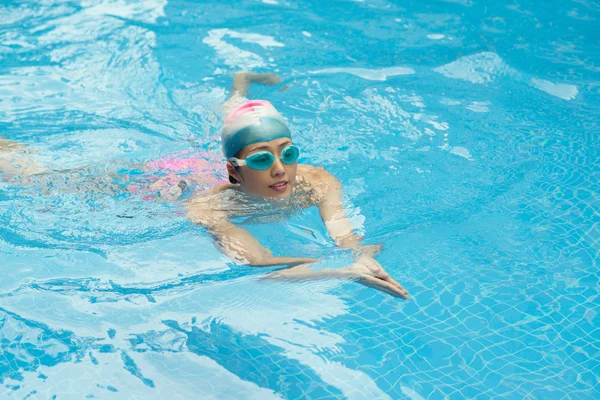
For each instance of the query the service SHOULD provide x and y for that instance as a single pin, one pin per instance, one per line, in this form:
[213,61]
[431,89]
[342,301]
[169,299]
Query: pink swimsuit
[183,169]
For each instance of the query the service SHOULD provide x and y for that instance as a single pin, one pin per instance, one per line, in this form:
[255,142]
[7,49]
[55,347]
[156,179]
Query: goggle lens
[265,159]
[260,161]
[290,154]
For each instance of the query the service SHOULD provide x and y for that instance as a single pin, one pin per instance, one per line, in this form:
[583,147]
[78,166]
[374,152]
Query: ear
[232,171]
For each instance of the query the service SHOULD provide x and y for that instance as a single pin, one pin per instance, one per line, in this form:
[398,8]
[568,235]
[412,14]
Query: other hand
[370,273]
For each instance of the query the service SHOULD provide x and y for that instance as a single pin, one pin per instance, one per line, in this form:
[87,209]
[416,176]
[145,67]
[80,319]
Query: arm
[235,242]
[365,269]
[332,211]
[331,208]
[240,245]
[15,160]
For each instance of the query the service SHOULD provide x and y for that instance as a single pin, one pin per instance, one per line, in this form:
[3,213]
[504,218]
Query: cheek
[254,177]
[291,171]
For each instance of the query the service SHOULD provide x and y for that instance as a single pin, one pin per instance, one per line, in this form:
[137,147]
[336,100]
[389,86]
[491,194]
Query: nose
[277,169]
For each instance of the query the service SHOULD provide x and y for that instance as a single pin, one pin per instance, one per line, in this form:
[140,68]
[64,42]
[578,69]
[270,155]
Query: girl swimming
[262,163]
[264,174]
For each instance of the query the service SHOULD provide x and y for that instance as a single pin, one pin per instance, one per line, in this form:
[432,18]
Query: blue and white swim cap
[252,122]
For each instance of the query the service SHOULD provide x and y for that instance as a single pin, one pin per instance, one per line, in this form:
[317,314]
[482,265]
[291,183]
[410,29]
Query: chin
[283,195]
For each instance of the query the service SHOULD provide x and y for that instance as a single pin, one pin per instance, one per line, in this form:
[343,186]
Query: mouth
[280,186]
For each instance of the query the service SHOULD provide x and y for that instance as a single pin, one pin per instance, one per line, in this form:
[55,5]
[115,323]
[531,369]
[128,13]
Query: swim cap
[251,122]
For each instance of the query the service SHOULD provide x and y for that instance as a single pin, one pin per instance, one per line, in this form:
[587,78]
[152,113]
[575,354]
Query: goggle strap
[236,162]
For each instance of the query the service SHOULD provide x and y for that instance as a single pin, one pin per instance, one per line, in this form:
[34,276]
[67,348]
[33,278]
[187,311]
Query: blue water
[465,134]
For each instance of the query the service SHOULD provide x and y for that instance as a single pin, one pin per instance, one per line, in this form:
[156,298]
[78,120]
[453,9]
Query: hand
[370,273]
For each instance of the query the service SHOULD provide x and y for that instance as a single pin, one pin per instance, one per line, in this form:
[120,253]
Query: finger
[397,285]
[383,286]
[392,290]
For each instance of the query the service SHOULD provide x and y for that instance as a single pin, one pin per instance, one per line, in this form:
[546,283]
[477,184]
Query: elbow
[251,261]
[257,260]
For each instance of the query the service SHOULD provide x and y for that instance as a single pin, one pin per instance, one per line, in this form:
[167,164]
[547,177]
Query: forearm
[238,244]
[304,273]
[340,229]
[338,225]
[351,241]
[274,260]
[264,258]
[348,241]
[342,232]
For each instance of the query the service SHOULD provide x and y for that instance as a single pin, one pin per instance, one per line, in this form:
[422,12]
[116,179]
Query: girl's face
[275,181]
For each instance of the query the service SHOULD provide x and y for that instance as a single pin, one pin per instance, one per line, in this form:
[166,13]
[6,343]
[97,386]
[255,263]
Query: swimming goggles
[264,159]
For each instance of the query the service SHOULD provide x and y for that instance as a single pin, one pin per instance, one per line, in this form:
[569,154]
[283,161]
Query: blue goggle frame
[264,159]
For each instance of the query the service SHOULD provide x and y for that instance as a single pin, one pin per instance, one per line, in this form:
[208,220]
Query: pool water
[465,134]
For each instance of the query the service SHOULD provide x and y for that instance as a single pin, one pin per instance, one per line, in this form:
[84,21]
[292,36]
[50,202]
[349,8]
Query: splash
[234,56]
[370,74]
[485,67]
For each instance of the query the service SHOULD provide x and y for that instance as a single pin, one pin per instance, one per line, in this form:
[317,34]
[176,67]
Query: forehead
[271,145]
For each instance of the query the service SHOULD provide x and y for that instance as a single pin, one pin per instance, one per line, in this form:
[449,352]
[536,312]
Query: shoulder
[316,175]
[205,207]
[321,181]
